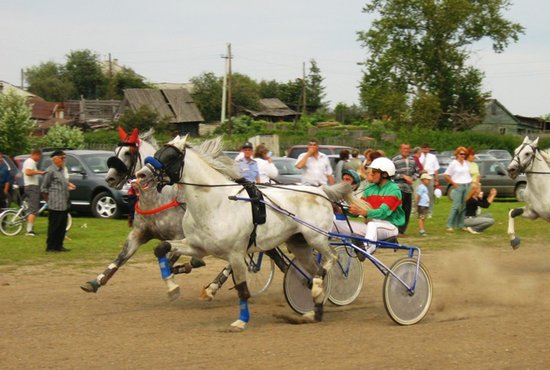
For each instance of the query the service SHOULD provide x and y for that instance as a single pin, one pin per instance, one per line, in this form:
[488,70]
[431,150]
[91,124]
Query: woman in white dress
[266,167]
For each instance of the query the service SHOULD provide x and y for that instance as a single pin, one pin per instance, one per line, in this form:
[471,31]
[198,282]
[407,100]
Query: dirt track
[491,309]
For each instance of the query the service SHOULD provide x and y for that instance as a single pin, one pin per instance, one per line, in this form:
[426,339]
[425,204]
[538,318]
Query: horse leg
[514,240]
[209,291]
[161,252]
[239,275]
[130,247]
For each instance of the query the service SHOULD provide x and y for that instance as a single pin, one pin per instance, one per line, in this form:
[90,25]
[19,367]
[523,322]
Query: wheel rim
[258,278]
[404,308]
[11,224]
[106,207]
[346,278]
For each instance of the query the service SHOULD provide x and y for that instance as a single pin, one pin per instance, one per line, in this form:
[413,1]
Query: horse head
[165,167]
[523,157]
[127,159]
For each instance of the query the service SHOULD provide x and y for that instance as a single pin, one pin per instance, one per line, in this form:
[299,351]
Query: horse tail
[344,191]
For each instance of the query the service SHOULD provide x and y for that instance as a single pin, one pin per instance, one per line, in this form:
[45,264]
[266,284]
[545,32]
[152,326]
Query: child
[133,195]
[423,201]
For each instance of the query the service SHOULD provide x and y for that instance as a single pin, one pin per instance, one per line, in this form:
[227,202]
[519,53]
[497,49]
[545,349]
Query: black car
[87,170]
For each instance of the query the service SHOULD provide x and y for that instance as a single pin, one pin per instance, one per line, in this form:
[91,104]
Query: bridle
[167,165]
[116,163]
[522,167]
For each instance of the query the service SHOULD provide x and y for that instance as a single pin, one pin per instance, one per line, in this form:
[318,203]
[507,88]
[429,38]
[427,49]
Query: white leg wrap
[173,288]
[317,290]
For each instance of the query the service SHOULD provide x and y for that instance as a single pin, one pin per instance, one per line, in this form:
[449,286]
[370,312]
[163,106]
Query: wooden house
[498,119]
[175,104]
[273,110]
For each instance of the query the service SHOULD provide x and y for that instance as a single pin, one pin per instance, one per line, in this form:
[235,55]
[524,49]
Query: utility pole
[304,106]
[229,103]
[111,92]
[224,89]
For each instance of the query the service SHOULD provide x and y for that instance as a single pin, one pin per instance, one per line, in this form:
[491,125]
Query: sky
[174,40]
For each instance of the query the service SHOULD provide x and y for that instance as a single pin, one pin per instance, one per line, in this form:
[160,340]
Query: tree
[419,47]
[143,119]
[127,78]
[315,90]
[48,80]
[60,136]
[16,124]
[84,71]
[245,92]
[207,95]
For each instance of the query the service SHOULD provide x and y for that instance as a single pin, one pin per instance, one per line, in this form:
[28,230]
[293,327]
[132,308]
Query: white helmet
[383,164]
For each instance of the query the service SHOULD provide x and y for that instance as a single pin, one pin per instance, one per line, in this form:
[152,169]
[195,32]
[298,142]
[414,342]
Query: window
[502,130]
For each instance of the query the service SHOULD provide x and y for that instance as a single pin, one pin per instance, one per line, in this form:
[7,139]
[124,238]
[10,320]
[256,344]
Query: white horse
[216,225]
[535,163]
[148,223]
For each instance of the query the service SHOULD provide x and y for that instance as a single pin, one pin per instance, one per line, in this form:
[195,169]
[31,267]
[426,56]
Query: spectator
[55,190]
[458,175]
[406,173]
[247,165]
[32,189]
[423,202]
[474,168]
[370,155]
[384,197]
[318,170]
[354,163]
[477,223]
[133,197]
[343,159]
[430,165]
[5,179]
[267,169]
[416,155]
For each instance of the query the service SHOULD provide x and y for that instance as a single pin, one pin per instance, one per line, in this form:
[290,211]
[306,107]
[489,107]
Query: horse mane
[211,152]
[344,191]
[148,137]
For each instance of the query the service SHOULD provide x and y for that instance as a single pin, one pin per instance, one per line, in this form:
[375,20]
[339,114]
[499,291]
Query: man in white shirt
[32,190]
[430,165]
[318,170]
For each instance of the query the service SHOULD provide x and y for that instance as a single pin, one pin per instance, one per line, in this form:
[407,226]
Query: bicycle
[13,219]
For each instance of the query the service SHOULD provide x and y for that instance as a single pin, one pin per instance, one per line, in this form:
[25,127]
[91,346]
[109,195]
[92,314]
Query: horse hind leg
[514,240]
[209,291]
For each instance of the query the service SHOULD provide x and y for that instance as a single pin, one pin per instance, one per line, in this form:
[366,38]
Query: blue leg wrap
[165,270]
[244,314]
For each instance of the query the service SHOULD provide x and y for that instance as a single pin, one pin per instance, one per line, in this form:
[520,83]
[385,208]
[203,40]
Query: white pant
[373,230]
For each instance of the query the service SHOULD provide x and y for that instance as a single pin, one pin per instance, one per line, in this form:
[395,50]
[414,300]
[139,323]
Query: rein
[528,164]
[173,203]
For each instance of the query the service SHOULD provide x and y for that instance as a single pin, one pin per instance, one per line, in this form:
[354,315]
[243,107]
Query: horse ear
[134,137]
[535,142]
[526,140]
[184,140]
[122,133]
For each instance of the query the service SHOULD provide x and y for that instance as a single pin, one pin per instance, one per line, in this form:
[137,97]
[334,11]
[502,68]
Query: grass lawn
[98,241]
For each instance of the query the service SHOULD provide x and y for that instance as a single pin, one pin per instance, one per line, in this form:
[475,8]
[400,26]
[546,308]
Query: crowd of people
[394,187]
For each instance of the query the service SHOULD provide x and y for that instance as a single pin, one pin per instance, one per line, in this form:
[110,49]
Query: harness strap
[174,203]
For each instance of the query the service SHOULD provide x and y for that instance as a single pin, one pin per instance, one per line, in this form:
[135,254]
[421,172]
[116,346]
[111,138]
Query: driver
[384,197]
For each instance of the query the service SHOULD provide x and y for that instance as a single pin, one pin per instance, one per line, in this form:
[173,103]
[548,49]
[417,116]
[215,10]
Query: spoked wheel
[69,222]
[10,223]
[261,270]
[403,307]
[297,288]
[346,277]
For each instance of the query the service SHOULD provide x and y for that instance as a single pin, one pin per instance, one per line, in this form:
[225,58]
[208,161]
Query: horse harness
[116,163]
[524,166]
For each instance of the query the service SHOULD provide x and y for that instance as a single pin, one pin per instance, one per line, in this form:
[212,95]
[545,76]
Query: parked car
[231,153]
[16,178]
[295,150]
[87,169]
[288,173]
[497,153]
[493,174]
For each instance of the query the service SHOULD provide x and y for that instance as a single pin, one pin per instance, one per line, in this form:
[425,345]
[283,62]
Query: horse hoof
[515,243]
[196,263]
[237,326]
[90,286]
[206,295]
[174,294]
